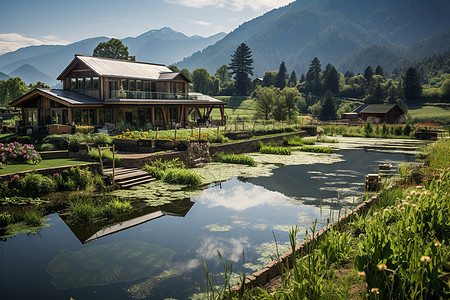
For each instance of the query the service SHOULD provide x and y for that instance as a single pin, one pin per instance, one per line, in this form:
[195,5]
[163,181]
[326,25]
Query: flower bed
[16,153]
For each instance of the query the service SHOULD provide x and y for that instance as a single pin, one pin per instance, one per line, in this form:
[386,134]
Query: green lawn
[237,106]
[49,163]
[433,113]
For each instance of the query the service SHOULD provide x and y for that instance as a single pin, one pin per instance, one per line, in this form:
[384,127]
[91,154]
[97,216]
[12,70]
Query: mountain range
[44,63]
[350,34]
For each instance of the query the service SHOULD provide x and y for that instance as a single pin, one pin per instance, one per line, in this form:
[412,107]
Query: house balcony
[125,94]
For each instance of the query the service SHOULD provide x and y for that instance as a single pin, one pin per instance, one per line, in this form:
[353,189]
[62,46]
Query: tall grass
[107,155]
[174,172]
[324,139]
[234,159]
[275,150]
[315,149]
[298,141]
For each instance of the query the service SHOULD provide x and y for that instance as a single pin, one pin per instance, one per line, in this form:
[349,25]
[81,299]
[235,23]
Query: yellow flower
[419,187]
[375,291]
[408,198]
[413,192]
[425,258]
[382,267]
[362,274]
[437,244]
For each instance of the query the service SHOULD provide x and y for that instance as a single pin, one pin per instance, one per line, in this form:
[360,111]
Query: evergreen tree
[331,80]
[349,74]
[302,78]
[113,48]
[379,71]
[312,80]
[241,66]
[329,110]
[412,86]
[292,80]
[280,79]
[368,73]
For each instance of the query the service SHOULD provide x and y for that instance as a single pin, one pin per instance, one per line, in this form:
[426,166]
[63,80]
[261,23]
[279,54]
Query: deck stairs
[128,177]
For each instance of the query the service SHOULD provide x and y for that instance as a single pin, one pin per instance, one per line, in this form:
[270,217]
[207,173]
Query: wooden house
[381,113]
[103,90]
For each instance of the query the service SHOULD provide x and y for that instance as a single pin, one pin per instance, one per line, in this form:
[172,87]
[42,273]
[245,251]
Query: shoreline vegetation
[397,250]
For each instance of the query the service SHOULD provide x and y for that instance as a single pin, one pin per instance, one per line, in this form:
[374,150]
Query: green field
[49,163]
[439,113]
[241,107]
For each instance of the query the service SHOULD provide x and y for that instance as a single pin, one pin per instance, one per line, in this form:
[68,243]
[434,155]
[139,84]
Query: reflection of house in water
[89,232]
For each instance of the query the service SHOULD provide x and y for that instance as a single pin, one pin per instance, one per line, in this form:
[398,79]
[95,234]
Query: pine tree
[313,82]
[292,79]
[368,73]
[411,86]
[302,78]
[241,66]
[328,111]
[280,79]
[379,71]
[331,80]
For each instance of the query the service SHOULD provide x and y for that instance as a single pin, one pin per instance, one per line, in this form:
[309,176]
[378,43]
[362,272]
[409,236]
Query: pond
[156,253]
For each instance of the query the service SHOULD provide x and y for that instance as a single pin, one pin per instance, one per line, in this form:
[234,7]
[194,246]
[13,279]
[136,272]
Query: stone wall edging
[50,171]
[275,267]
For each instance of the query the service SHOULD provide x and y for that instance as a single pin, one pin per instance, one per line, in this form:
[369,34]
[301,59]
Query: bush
[59,141]
[115,207]
[19,139]
[102,139]
[107,155]
[84,129]
[5,218]
[33,217]
[82,210]
[35,185]
[181,176]
[47,147]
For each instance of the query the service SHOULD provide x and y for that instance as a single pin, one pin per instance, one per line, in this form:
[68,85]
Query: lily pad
[122,261]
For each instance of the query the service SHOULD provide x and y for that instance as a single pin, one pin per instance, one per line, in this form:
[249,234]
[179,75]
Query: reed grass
[234,159]
[275,150]
[315,149]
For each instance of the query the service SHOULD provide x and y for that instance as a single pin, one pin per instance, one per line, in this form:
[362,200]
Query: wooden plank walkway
[128,177]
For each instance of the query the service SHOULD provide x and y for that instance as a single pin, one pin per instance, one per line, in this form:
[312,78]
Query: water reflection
[231,248]
[92,231]
[240,196]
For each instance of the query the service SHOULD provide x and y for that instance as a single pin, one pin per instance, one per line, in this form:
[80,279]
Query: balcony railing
[123,94]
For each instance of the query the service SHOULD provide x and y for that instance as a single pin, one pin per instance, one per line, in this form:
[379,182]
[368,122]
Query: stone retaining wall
[249,146]
[275,267]
[94,167]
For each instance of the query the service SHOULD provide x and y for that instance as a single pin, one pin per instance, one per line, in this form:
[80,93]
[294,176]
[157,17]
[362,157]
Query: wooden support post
[113,162]
[153,116]
[199,133]
[156,137]
[100,157]
[198,112]
[124,116]
[98,116]
[165,116]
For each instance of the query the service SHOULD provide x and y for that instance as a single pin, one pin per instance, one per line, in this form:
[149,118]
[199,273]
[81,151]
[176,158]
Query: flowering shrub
[132,135]
[16,153]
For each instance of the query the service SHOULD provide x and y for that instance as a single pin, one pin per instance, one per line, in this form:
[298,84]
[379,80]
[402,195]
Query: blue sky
[25,23]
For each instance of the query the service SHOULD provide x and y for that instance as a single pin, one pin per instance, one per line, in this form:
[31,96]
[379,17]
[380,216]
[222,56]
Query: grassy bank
[44,164]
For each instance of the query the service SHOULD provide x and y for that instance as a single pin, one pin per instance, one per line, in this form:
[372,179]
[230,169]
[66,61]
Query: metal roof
[378,108]
[109,67]
[71,97]
[168,76]
[194,98]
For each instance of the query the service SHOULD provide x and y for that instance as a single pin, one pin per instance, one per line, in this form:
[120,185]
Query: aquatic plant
[115,207]
[33,217]
[83,211]
[234,159]
[5,218]
[315,149]
[182,176]
[275,150]
[324,139]
[336,246]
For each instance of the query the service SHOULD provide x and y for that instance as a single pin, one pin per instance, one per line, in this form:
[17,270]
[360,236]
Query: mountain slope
[30,74]
[333,30]
[161,46]
[3,76]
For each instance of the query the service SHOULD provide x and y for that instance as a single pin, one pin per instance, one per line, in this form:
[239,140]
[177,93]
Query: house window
[138,85]
[88,83]
[32,116]
[80,83]
[124,84]
[132,85]
[73,83]
[95,82]
[59,116]
[83,116]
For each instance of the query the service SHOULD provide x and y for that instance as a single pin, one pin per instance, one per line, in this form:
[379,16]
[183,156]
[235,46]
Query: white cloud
[230,249]
[202,23]
[13,41]
[236,5]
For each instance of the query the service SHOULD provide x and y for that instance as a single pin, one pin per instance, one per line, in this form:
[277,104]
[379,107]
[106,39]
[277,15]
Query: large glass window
[138,85]
[132,85]
[73,83]
[124,84]
[84,116]
[88,83]
[80,83]
[95,82]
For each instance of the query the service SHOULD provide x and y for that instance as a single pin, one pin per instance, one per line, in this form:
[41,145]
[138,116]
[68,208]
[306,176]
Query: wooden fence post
[100,157]
[114,161]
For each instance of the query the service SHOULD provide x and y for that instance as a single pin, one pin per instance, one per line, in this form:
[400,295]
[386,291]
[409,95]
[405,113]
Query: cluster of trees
[272,102]
[14,88]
